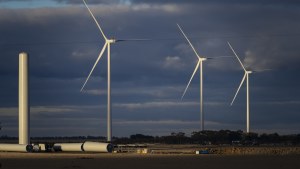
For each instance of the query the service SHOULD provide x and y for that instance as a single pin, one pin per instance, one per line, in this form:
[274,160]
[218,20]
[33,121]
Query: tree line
[221,137]
[207,137]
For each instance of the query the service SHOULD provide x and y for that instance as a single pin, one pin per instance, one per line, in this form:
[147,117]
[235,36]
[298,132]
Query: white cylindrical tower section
[68,147]
[16,147]
[24,137]
[89,146]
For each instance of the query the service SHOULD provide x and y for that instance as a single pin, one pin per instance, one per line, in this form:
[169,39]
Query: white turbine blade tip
[183,94]
[178,25]
[98,25]
[237,56]
[181,98]
[239,88]
[190,79]
[81,90]
[95,64]
[192,46]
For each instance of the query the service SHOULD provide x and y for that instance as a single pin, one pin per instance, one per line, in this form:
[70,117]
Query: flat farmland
[145,161]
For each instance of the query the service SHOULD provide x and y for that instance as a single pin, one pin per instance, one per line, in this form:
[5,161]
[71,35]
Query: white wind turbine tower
[199,65]
[107,44]
[246,76]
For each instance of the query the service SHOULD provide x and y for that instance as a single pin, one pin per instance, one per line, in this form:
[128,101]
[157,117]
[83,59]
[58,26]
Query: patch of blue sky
[30,4]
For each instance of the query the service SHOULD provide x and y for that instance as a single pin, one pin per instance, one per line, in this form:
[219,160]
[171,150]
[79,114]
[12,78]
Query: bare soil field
[145,161]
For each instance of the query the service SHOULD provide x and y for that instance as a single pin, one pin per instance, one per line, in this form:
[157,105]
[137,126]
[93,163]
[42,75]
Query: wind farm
[74,104]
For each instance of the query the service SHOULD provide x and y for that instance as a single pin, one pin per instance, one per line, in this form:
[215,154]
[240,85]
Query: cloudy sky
[149,77]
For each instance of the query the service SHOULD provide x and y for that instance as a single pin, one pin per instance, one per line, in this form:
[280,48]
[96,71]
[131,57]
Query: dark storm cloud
[13,0]
[91,1]
[148,78]
[182,1]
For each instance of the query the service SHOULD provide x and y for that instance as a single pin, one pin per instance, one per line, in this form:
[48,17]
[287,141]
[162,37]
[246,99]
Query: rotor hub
[113,40]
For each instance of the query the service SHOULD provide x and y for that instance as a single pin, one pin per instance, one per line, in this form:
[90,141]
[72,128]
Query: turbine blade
[218,57]
[189,42]
[236,56]
[95,20]
[99,57]
[260,70]
[191,79]
[238,89]
[122,40]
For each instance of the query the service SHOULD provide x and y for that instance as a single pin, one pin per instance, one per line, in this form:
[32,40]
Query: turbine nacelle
[249,72]
[202,59]
[113,40]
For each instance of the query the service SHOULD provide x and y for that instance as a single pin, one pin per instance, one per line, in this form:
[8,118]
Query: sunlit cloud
[173,63]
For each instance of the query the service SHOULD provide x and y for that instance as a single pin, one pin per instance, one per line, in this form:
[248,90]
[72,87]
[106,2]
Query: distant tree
[264,138]
[122,140]
[141,138]
[275,138]
[250,138]
[176,138]
[297,139]
[210,136]
[216,137]
[235,135]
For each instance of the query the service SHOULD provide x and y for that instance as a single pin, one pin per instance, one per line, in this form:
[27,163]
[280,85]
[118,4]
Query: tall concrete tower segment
[24,109]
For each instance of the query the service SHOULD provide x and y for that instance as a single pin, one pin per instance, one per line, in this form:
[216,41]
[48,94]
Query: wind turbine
[246,76]
[107,44]
[200,66]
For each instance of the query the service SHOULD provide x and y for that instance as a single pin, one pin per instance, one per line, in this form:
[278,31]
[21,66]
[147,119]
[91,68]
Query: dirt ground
[145,161]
